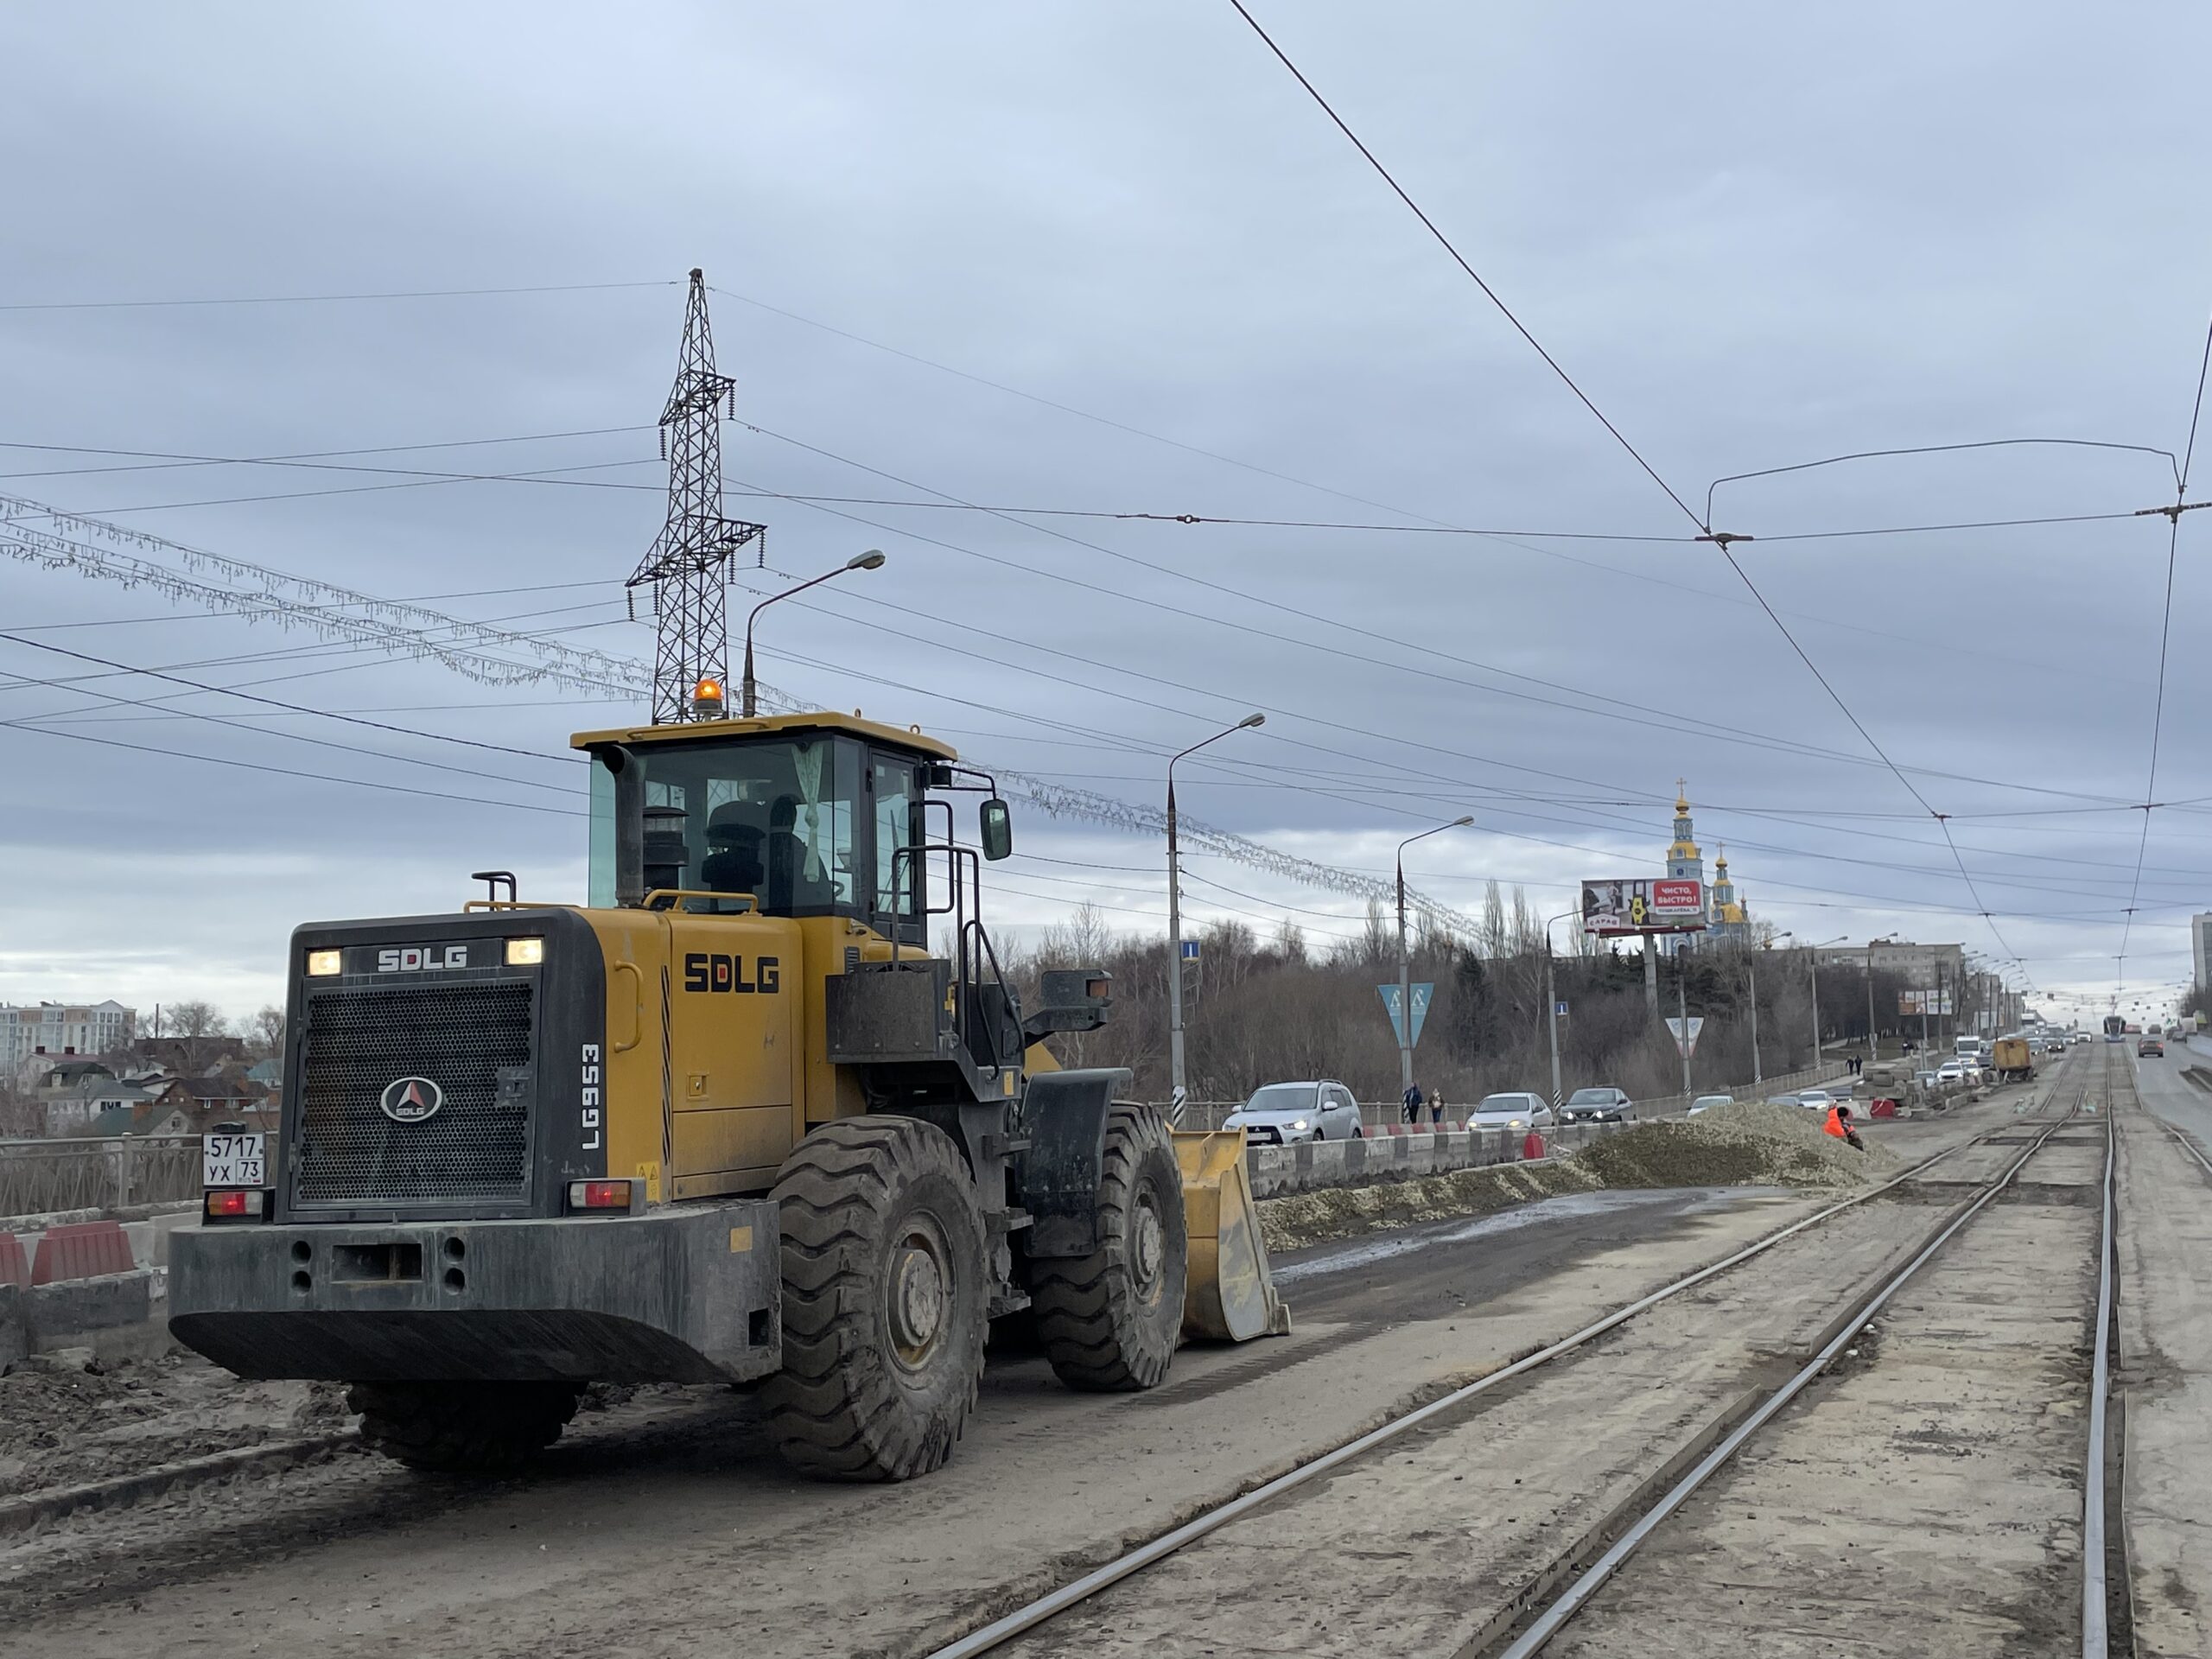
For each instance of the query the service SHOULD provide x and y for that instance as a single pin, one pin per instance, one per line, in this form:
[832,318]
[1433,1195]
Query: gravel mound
[1749,1144]
[1298,1219]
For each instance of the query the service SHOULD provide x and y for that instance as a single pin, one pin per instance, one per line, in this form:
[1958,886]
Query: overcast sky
[1756,238]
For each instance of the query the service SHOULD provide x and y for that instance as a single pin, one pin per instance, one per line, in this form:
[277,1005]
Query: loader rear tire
[463,1428]
[1109,1321]
[885,1301]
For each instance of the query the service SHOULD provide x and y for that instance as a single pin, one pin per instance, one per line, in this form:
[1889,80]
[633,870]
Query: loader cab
[811,815]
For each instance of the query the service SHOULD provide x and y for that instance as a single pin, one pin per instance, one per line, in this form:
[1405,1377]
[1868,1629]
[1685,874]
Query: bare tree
[1492,939]
[201,1028]
[265,1033]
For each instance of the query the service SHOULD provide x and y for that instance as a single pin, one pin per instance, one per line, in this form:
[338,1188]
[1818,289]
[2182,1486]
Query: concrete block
[74,1310]
[15,1327]
[150,1238]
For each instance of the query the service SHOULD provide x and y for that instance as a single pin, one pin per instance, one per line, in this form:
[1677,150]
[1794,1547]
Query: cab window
[771,818]
[898,826]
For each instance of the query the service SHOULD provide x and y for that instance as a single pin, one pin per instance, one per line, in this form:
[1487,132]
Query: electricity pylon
[688,565]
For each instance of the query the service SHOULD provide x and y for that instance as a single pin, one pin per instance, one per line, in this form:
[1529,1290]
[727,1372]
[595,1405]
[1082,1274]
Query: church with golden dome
[1726,920]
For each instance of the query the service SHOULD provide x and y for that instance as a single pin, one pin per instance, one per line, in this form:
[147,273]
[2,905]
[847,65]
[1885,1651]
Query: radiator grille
[473,1040]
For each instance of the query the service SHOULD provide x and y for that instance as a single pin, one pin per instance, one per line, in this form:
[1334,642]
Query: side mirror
[997,826]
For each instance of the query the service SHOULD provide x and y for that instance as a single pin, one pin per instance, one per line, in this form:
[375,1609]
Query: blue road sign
[1560,1010]
[1421,995]
[1190,949]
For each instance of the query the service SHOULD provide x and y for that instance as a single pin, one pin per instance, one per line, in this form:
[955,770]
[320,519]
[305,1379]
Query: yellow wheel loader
[729,1121]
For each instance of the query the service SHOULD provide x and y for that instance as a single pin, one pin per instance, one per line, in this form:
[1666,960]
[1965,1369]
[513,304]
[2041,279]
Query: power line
[325,299]
[295,707]
[1457,258]
[164,460]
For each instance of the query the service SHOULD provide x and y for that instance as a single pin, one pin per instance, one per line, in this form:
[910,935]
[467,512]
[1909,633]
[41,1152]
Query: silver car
[1516,1109]
[1706,1103]
[1282,1114]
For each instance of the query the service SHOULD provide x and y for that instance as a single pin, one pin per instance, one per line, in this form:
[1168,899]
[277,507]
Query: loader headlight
[323,963]
[525,953]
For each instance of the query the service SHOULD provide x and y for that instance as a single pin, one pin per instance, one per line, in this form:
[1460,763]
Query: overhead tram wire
[1705,531]
[1475,276]
[418,478]
[1622,572]
[1362,759]
[1936,449]
[2165,635]
[1638,714]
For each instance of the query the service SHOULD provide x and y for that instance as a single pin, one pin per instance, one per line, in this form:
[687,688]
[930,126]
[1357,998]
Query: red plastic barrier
[15,1266]
[82,1249]
[1532,1145]
[1883,1108]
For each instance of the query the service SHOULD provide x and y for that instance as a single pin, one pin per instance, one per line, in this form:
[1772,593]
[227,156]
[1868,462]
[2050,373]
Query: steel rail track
[1548,1623]
[1050,1606]
[2096,1637]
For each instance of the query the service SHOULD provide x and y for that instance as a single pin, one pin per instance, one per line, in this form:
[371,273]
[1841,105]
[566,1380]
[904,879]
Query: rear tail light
[599,1195]
[247,1203]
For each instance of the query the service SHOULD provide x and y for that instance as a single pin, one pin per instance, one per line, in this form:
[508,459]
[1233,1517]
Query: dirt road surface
[669,1517]
[2165,1355]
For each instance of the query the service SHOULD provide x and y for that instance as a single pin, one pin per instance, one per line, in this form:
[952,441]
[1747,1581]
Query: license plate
[233,1160]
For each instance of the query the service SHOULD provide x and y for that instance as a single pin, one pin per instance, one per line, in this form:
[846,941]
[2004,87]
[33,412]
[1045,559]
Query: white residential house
[62,1030]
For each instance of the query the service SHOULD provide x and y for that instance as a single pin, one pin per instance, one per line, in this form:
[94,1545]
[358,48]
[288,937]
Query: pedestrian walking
[1413,1103]
[1436,1108]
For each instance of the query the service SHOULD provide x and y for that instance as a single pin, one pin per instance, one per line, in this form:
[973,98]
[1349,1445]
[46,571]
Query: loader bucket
[1231,1296]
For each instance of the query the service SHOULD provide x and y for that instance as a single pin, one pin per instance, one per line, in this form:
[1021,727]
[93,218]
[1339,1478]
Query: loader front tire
[1109,1321]
[463,1428]
[885,1303]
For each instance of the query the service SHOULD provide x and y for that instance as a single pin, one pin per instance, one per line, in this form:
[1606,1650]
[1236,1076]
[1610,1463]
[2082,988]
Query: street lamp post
[871,560]
[1405,960]
[1873,1046]
[1551,1005]
[1752,974]
[1175,926]
[1813,968]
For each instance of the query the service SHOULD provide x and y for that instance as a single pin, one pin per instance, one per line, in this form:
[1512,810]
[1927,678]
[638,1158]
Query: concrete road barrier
[81,1249]
[1312,1165]
[112,1315]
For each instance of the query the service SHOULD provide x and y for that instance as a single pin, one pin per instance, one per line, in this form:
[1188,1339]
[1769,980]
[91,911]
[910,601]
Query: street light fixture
[1175,924]
[1405,960]
[871,560]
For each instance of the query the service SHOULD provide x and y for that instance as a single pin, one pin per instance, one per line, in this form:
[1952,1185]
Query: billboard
[1929,1002]
[1665,905]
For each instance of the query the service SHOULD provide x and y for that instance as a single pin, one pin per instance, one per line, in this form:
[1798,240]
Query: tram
[2115,1027]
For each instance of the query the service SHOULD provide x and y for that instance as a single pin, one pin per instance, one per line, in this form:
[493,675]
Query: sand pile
[1298,1219]
[1744,1145]
[1749,1144]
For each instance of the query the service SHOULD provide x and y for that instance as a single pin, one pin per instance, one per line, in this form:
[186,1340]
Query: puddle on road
[1366,1252]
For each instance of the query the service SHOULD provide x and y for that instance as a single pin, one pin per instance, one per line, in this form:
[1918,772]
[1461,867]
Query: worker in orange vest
[1838,1125]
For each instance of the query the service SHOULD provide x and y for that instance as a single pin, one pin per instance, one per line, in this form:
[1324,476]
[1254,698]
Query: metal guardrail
[1209,1114]
[38,1177]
